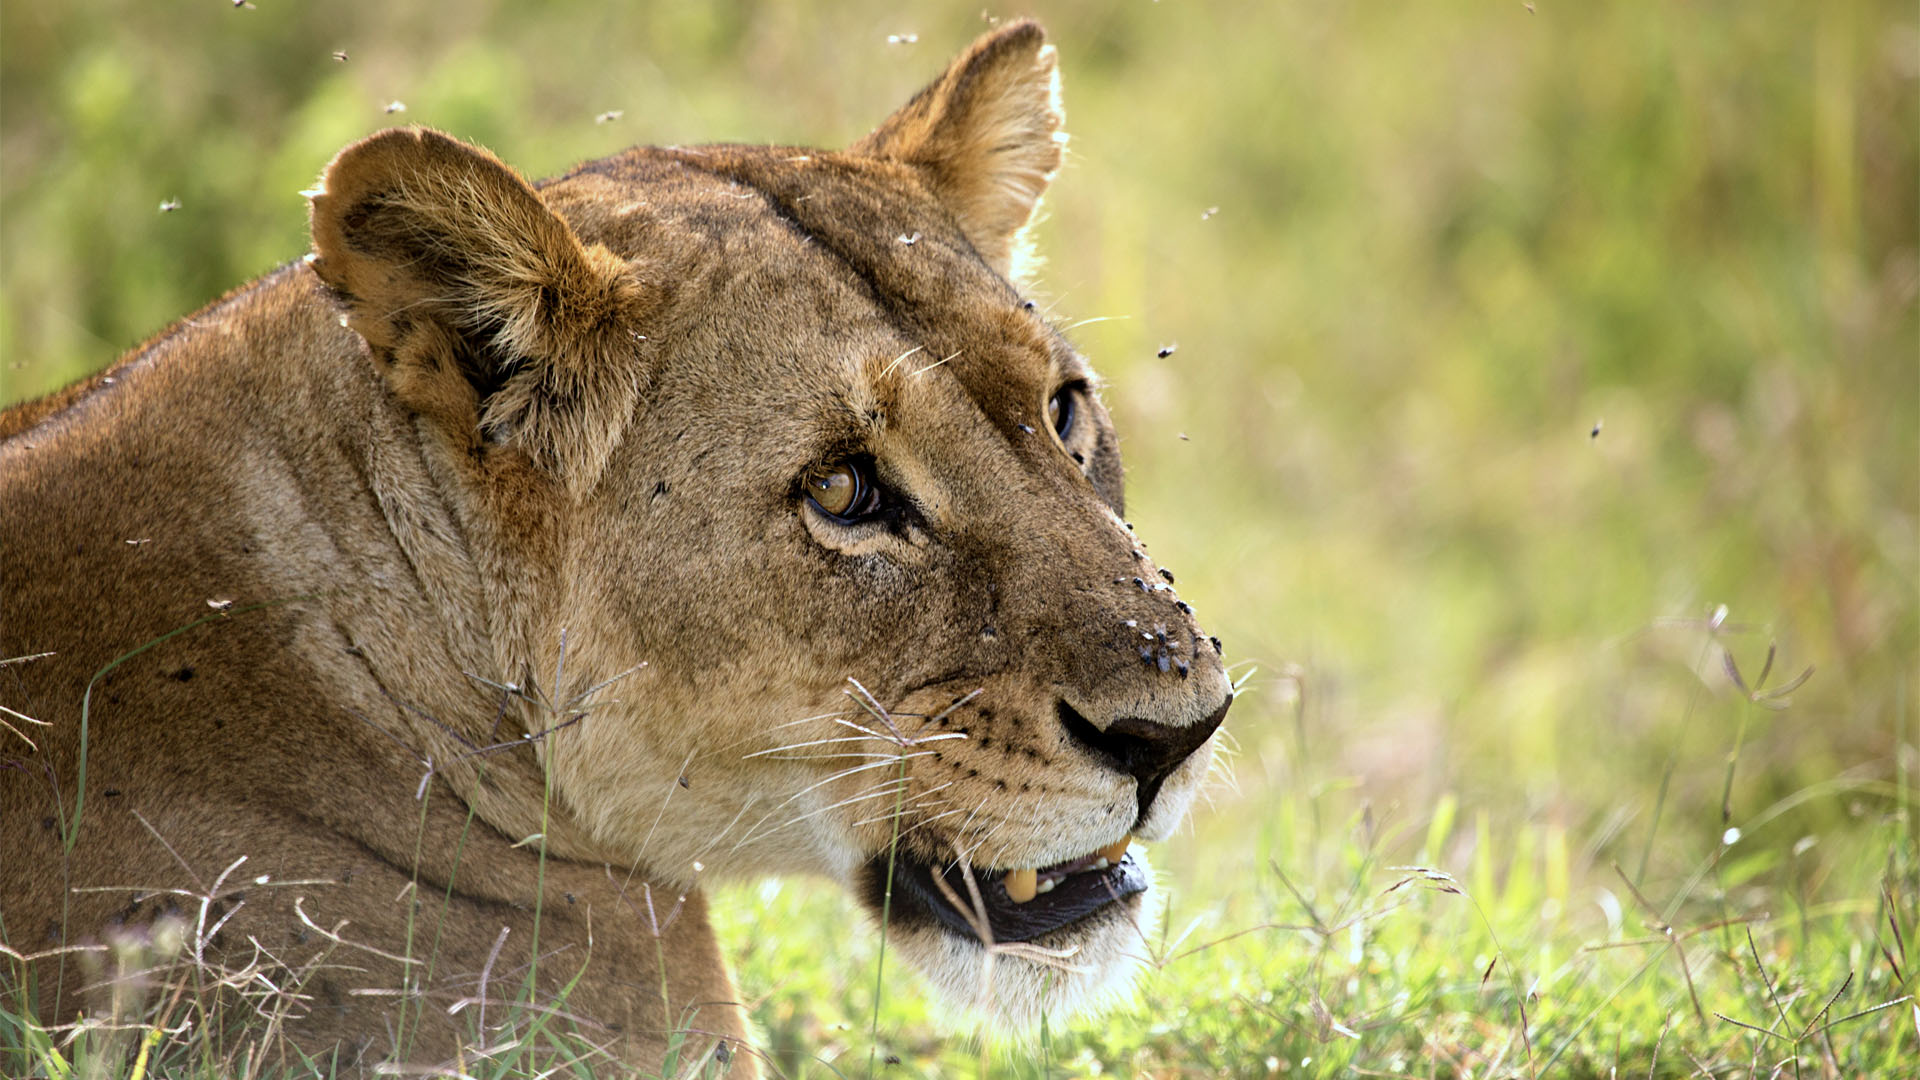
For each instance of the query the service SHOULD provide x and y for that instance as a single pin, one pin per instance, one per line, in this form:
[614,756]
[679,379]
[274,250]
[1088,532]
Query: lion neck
[429,562]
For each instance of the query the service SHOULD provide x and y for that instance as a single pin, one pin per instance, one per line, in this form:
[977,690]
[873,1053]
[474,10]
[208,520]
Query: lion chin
[1009,988]
[1011,948]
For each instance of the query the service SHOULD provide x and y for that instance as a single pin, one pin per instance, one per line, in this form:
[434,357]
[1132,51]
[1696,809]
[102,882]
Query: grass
[1335,938]
[1537,375]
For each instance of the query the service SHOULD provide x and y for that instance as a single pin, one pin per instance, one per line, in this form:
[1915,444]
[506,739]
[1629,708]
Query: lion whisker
[809,719]
[936,364]
[722,834]
[967,825]
[897,361]
[898,739]
[574,701]
[803,791]
[912,803]
[814,742]
[849,754]
[751,837]
[917,824]
[662,812]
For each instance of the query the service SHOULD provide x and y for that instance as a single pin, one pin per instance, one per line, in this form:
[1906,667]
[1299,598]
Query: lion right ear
[986,138]
[488,314]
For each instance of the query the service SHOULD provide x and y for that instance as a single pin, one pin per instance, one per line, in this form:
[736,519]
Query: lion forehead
[856,250]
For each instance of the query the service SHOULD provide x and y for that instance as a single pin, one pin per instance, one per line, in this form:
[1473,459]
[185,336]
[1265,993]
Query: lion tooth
[1115,851]
[1047,885]
[1022,885]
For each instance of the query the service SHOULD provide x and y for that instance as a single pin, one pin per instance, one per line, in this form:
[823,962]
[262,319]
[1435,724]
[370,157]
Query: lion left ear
[986,136]
[488,315]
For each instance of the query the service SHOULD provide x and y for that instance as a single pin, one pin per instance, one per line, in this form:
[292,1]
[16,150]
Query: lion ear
[986,136]
[488,314]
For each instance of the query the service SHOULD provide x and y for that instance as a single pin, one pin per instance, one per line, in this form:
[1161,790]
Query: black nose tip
[1143,749]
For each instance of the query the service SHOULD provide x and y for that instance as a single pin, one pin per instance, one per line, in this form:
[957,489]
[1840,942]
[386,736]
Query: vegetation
[1527,394]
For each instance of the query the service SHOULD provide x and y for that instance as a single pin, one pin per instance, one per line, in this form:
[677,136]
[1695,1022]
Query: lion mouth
[1014,905]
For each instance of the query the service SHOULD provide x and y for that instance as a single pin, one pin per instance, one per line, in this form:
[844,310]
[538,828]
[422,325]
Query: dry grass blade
[486,974]
[1779,692]
[1646,905]
[30,657]
[1869,1011]
[1750,1027]
[1733,671]
[1893,924]
[1765,979]
[333,935]
[24,718]
[1653,1062]
[1298,896]
[1828,1006]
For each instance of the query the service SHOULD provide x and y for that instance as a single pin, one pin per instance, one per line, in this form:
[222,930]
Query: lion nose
[1143,749]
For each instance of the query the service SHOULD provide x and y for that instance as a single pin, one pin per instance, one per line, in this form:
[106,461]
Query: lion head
[778,479]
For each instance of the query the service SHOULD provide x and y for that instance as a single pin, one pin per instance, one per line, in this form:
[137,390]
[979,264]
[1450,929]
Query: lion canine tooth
[1115,851]
[1021,884]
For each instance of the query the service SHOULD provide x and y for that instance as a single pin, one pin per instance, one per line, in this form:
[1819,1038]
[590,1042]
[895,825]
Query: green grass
[1510,347]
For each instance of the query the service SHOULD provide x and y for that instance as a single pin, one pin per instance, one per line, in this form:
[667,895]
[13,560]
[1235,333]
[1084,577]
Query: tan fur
[493,436]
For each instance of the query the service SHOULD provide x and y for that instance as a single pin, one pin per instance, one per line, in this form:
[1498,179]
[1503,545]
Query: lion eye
[834,489]
[1064,408]
[1061,409]
[844,490]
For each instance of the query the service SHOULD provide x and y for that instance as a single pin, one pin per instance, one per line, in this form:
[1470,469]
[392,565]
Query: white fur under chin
[1005,991]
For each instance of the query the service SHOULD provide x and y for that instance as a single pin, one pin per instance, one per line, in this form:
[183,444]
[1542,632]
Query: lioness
[527,558]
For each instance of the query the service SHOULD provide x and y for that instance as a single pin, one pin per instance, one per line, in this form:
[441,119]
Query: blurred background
[1523,362]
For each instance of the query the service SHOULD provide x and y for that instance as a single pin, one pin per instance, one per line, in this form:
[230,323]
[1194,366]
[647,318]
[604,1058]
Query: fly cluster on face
[1157,648]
